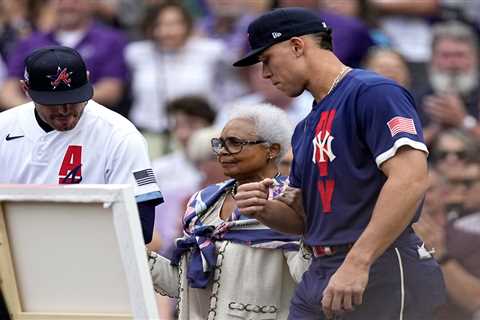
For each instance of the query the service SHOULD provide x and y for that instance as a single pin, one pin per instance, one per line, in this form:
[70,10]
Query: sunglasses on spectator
[231,145]
[461,154]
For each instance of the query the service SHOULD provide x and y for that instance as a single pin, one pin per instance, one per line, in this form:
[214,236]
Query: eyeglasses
[232,145]
[442,154]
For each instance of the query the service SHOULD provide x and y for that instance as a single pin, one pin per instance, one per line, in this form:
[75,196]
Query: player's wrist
[359,259]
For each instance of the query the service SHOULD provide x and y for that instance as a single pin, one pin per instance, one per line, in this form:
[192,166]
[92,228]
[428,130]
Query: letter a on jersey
[71,169]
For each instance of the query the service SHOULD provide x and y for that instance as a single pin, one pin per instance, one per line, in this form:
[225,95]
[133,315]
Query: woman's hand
[251,198]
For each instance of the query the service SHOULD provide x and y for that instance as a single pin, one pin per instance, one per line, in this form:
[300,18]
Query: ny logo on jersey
[71,169]
[322,147]
[62,76]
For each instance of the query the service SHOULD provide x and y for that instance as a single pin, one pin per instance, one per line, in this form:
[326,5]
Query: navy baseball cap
[57,75]
[279,25]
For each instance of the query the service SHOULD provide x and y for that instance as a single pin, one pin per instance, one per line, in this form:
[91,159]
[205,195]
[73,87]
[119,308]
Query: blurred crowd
[167,66]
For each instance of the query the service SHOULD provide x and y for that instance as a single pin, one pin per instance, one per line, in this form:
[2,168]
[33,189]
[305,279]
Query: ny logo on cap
[62,76]
[275,35]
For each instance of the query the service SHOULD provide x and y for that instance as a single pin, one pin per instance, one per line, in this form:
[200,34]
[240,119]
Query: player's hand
[292,197]
[344,290]
[252,197]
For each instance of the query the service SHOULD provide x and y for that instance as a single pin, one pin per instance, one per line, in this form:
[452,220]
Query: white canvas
[73,252]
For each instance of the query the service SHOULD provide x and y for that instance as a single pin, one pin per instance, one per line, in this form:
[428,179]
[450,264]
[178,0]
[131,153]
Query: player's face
[280,67]
[251,161]
[61,117]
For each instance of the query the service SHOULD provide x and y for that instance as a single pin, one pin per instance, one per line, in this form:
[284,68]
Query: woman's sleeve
[165,277]
[298,262]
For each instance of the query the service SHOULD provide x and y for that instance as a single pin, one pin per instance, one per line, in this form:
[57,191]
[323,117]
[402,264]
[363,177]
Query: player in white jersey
[63,137]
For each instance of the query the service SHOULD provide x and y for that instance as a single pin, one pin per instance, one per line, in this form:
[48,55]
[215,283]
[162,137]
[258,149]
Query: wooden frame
[97,268]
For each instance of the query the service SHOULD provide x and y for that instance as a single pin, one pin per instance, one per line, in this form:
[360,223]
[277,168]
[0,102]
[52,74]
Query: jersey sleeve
[130,164]
[389,121]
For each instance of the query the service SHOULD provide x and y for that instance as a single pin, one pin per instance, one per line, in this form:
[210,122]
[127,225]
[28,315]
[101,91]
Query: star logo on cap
[62,76]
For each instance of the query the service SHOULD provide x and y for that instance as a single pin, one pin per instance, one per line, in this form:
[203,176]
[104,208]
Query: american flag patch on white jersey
[401,124]
[144,177]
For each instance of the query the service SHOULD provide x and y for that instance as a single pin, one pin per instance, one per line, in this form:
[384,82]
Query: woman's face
[252,160]
[171,30]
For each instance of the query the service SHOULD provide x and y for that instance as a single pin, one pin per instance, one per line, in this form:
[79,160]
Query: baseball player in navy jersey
[360,165]
[63,137]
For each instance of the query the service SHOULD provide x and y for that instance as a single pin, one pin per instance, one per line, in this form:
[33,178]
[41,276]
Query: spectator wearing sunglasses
[453,150]
[454,159]
[227,265]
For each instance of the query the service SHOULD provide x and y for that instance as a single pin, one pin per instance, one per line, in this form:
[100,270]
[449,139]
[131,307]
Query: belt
[320,251]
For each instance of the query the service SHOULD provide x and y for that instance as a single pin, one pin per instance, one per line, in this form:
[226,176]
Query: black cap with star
[57,75]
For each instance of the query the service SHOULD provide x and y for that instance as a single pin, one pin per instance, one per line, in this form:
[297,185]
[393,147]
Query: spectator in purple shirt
[101,47]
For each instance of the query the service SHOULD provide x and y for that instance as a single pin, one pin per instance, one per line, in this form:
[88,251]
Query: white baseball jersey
[103,148]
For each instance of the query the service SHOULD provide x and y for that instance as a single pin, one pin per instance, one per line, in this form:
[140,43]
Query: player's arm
[251,200]
[146,211]
[407,182]
[130,164]
[398,200]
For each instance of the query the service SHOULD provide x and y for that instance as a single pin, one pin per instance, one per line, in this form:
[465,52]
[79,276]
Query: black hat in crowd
[57,75]
[277,26]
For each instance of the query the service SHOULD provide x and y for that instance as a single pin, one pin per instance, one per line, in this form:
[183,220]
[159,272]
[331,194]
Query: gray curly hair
[271,124]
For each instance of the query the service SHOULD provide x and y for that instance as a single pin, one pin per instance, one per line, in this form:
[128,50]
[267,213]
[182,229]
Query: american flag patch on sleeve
[144,177]
[401,124]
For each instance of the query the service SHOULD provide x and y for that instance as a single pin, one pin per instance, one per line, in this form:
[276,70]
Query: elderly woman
[229,266]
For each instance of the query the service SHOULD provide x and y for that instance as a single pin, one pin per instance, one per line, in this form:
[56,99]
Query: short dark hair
[192,105]
[323,39]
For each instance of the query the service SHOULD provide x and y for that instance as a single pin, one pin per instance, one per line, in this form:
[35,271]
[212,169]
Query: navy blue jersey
[339,147]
